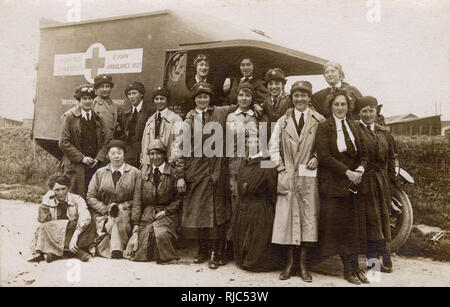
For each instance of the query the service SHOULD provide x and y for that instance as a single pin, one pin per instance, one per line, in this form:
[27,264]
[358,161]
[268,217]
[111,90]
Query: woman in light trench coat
[297,208]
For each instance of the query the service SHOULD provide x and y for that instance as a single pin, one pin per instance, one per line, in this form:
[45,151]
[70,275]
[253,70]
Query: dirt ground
[18,222]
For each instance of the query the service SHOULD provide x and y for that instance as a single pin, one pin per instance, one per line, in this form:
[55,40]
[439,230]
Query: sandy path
[18,221]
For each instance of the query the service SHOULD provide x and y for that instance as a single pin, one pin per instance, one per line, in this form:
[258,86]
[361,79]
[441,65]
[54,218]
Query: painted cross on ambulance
[97,60]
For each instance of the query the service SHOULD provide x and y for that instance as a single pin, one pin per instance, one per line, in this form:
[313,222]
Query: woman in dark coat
[247,68]
[159,213]
[374,206]
[82,141]
[254,215]
[334,75]
[342,161]
[206,203]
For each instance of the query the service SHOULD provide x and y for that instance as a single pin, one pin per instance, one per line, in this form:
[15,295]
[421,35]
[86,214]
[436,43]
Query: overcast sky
[403,60]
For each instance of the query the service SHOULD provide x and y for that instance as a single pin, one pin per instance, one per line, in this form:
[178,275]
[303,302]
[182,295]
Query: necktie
[61,211]
[350,147]
[132,124]
[116,176]
[157,124]
[245,114]
[156,180]
[301,123]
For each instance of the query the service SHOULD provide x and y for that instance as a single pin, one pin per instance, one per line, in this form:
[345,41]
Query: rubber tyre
[404,224]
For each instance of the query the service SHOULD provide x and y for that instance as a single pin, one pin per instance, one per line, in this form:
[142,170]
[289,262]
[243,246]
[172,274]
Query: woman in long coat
[253,217]
[159,215]
[113,193]
[334,75]
[206,203]
[342,161]
[292,149]
[374,206]
[82,141]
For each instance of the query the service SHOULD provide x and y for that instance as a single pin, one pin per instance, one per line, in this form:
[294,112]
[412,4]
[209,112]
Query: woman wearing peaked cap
[103,106]
[206,203]
[334,75]
[132,119]
[160,125]
[114,192]
[375,205]
[278,102]
[82,140]
[292,148]
[159,214]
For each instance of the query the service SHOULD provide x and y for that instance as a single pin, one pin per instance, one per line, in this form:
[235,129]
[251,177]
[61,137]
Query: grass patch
[419,245]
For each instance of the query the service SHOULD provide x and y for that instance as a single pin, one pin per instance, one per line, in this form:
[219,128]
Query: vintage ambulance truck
[155,48]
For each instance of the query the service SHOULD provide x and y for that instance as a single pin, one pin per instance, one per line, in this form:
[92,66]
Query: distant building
[445,130]
[9,123]
[410,124]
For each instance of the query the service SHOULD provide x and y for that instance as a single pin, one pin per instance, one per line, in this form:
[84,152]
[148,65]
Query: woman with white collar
[114,192]
[334,75]
[65,223]
[297,210]
[159,214]
[240,123]
[343,159]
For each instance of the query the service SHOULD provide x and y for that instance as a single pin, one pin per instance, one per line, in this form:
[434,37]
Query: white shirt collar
[249,112]
[372,126]
[198,80]
[337,85]
[121,169]
[161,167]
[339,120]
[139,106]
[248,78]
[298,114]
[163,113]
[85,114]
[200,111]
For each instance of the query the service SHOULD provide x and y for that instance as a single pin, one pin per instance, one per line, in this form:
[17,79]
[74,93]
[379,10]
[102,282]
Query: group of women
[321,184]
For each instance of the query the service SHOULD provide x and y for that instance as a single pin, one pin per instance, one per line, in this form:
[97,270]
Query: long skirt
[114,234]
[252,235]
[339,228]
[53,237]
[157,238]
[373,212]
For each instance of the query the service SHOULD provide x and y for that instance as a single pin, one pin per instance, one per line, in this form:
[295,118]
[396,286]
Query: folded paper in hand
[304,172]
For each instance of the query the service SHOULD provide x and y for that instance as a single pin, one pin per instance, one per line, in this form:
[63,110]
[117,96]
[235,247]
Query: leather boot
[354,261]
[286,274]
[202,253]
[303,271]
[349,275]
[386,267]
[221,259]
[212,262]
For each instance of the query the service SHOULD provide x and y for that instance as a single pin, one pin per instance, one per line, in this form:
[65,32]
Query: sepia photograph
[225,147]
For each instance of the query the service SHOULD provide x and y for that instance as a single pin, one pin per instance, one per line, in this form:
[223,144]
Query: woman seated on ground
[113,192]
[158,216]
[254,215]
[65,223]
